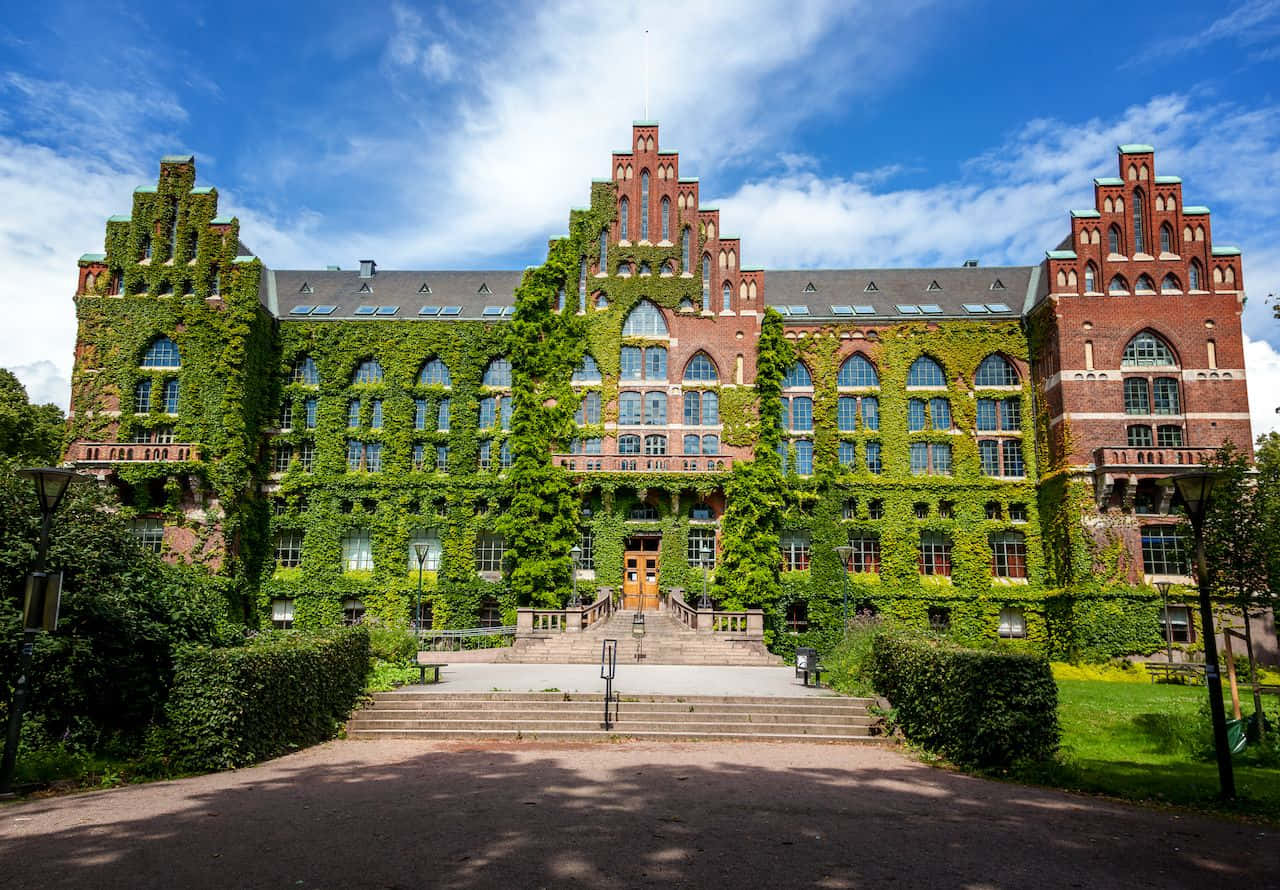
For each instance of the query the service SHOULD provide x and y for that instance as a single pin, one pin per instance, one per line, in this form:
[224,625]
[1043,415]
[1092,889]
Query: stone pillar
[706,621]
[573,618]
[755,624]
[524,622]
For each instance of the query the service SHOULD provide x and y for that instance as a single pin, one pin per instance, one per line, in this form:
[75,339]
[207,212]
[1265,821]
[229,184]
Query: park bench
[422,672]
[1169,673]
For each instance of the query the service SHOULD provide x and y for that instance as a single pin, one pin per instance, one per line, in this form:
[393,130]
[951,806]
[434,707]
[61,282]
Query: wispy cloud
[1252,23]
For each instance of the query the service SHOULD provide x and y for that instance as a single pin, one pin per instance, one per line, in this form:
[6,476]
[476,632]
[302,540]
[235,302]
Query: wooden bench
[422,672]
[1190,673]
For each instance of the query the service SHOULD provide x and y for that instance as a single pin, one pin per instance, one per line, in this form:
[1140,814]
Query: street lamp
[421,551]
[845,552]
[1163,587]
[1196,488]
[41,612]
[575,554]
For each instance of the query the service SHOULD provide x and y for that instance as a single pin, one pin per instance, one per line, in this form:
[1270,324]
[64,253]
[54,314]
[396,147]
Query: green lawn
[1142,742]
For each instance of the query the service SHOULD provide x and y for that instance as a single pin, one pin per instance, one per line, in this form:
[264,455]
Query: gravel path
[409,814]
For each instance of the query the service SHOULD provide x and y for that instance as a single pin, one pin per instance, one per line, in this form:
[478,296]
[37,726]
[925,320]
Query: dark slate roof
[343,290]
[964,292]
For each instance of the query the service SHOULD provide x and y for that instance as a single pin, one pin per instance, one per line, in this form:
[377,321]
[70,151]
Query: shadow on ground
[400,815]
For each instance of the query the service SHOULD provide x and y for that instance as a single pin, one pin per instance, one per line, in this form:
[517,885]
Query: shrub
[236,706]
[394,644]
[848,663]
[977,708]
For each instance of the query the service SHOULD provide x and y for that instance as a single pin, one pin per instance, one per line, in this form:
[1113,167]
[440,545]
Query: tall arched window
[162,353]
[666,219]
[497,373]
[995,370]
[925,371]
[1113,240]
[645,320]
[706,280]
[797,376]
[304,371]
[1166,238]
[604,249]
[434,373]
[857,371]
[1139,229]
[1170,283]
[1118,285]
[644,205]
[582,286]
[685,240]
[368,371]
[587,372]
[624,214]
[700,370]
[1144,283]
[726,297]
[1090,278]
[173,236]
[170,394]
[1194,275]
[1146,350]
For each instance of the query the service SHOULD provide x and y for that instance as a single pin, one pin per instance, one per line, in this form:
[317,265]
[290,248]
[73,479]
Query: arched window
[655,446]
[587,372]
[1146,350]
[582,286]
[1139,228]
[706,280]
[700,370]
[797,376]
[560,300]
[304,371]
[1113,240]
[173,236]
[624,214]
[691,444]
[666,219]
[434,373]
[497,373]
[368,371]
[1090,278]
[628,444]
[1166,238]
[686,240]
[1118,285]
[644,205]
[645,320]
[857,371]
[995,370]
[1170,283]
[171,397]
[726,297]
[925,371]
[1145,283]
[604,249]
[1194,275]
[162,353]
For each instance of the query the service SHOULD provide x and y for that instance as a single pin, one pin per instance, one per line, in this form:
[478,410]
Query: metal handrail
[431,640]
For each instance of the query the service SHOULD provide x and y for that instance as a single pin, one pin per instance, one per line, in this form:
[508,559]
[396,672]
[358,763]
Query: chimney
[367,268]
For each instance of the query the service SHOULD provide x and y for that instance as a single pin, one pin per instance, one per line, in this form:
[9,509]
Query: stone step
[622,726]
[425,693]
[626,712]
[552,735]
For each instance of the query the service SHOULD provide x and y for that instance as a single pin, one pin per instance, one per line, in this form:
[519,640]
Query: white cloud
[1262,369]
[1249,24]
[45,382]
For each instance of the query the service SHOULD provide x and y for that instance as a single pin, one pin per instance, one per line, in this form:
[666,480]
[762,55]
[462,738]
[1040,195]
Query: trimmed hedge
[232,707]
[978,708]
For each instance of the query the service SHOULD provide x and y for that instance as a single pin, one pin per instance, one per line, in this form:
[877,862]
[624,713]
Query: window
[497,373]
[655,408]
[1139,437]
[306,455]
[1113,240]
[1013,623]
[150,534]
[700,369]
[624,213]
[353,414]
[286,415]
[797,377]
[628,444]
[283,454]
[1166,238]
[702,548]
[490,613]
[870,407]
[795,553]
[1139,226]
[442,458]
[645,320]
[1010,415]
[644,205]
[875,509]
[304,371]
[930,459]
[1175,624]
[375,416]
[992,511]
[357,555]
[1008,554]
[655,446]
[1193,275]
[1118,285]
[429,539]
[989,456]
[1014,466]
[655,363]
[865,556]
[940,414]
[920,509]
[162,353]
[1090,278]
[935,554]
[604,250]
[164,435]
[1017,512]
[1144,284]
[484,457]
[939,619]
[874,464]
[643,512]
[925,371]
[847,454]
[797,413]
[355,455]
[916,411]
[1165,393]
[419,456]
[804,457]
[995,370]
[434,373]
[706,281]
[691,444]
[1163,551]
[797,617]
[587,544]
[488,413]
[289,549]
[999,414]
[857,371]
[490,549]
[282,613]
[630,363]
[1169,436]
[368,371]
[685,239]
[1170,284]
[352,612]
[373,457]
[1136,397]
[142,397]
[588,371]
[666,219]
[726,297]
[847,414]
[588,408]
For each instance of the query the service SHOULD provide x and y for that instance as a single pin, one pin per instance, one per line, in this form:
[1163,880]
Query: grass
[1152,742]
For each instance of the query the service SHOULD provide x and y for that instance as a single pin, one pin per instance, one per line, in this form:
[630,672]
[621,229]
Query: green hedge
[977,708]
[281,691]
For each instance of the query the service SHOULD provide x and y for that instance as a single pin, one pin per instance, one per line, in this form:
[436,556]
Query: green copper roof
[244,259]
[112,219]
[1060,254]
[202,190]
[708,207]
[1195,210]
[687,179]
[92,257]
[178,159]
[1226,250]
[601,180]
[1108,180]
[1168,180]
[146,189]
[644,123]
[1136,148]
[1085,214]
[221,221]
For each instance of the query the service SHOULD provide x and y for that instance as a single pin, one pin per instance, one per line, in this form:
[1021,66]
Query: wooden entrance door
[640,575]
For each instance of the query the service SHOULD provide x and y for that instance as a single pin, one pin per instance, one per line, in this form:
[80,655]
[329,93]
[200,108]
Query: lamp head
[51,485]
[575,552]
[1196,487]
[421,551]
[1163,587]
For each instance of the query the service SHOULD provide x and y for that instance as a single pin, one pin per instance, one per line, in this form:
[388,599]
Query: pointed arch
[1115,243]
[1195,274]
[926,371]
[797,376]
[368,371]
[436,373]
[858,370]
[497,372]
[588,370]
[666,218]
[726,297]
[644,205]
[624,218]
[701,369]
[1147,349]
[1170,283]
[996,370]
[1166,238]
[645,320]
[1144,283]
[162,352]
[1139,223]
[1118,285]
[686,244]
[1090,278]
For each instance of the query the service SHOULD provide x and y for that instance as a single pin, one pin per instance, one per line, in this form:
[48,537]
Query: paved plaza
[654,679]
[512,815]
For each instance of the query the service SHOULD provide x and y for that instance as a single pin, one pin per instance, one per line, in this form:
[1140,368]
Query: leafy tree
[30,434]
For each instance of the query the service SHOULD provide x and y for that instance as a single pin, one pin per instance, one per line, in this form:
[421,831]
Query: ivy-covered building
[971,446]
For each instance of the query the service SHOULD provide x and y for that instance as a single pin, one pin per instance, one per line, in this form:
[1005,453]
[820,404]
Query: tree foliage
[30,434]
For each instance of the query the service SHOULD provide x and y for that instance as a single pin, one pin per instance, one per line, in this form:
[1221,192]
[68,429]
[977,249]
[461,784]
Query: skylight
[908,309]
[799,310]
[842,310]
[930,308]
[783,310]
[508,310]
[975,308]
[301,310]
[492,310]
[999,307]
[864,309]
[365,310]
[429,310]
[324,310]
[451,310]
[388,310]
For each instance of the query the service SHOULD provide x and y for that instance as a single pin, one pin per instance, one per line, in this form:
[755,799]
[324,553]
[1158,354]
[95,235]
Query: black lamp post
[40,613]
[421,551]
[1163,587]
[1196,488]
[575,556]
[845,552]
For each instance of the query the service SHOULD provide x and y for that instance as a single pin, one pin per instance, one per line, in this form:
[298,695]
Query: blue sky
[439,136]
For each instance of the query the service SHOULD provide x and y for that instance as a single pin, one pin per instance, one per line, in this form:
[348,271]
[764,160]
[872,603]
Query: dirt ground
[412,814]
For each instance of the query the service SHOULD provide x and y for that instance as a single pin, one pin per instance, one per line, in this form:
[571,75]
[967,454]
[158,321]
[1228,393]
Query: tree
[30,434]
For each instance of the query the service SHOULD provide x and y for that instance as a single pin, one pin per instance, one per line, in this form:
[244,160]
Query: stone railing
[1152,457]
[571,619]
[745,625]
[610,463]
[125,452]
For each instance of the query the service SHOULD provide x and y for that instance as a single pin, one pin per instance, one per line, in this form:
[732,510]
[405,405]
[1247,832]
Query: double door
[640,575]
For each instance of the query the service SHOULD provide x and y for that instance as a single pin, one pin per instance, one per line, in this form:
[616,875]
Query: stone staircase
[665,641]
[413,713]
